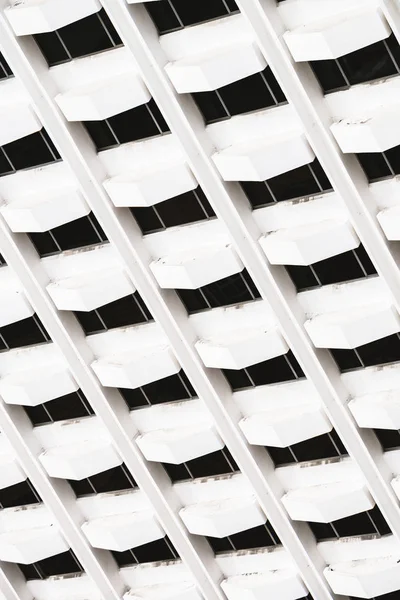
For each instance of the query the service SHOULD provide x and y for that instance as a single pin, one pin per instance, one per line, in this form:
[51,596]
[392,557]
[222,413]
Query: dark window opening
[81,38]
[376,61]
[275,370]
[19,494]
[82,232]
[113,480]
[189,207]
[27,332]
[137,123]
[129,310]
[365,523]
[65,563]
[5,71]
[243,96]
[308,180]
[168,389]
[33,150]
[209,465]
[328,445]
[380,165]
[2,261]
[171,15]
[388,438]
[234,289]
[383,351]
[391,596]
[262,536]
[70,406]
[348,266]
[158,550]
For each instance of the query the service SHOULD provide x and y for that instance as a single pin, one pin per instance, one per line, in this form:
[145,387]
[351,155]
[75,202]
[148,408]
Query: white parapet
[365,578]
[178,590]
[389,220]
[379,410]
[14,306]
[283,584]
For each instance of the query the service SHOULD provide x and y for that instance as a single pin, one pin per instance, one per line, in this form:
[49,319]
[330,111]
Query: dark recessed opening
[209,465]
[380,165]
[262,536]
[113,480]
[171,15]
[167,389]
[383,351]
[5,70]
[154,551]
[33,150]
[328,445]
[365,523]
[70,406]
[26,332]
[65,563]
[19,494]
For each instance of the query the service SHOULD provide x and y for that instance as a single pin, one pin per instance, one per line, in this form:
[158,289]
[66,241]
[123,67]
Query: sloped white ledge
[365,578]
[166,591]
[379,410]
[283,584]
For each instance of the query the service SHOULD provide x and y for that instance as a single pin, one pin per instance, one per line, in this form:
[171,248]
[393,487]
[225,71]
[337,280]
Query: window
[86,36]
[189,207]
[19,494]
[380,165]
[2,261]
[262,536]
[328,445]
[347,266]
[112,480]
[246,95]
[389,438]
[171,15]
[70,406]
[230,290]
[120,313]
[5,71]
[275,370]
[376,61]
[308,180]
[169,389]
[26,332]
[154,551]
[33,150]
[82,232]
[209,465]
[365,523]
[137,123]
[60,564]
[391,596]
[383,351]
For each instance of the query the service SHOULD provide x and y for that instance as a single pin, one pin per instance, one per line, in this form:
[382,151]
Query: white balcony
[136,368]
[241,348]
[282,427]
[180,444]
[28,17]
[223,517]
[327,502]
[389,220]
[365,578]
[150,184]
[262,158]
[309,243]
[337,35]
[10,471]
[380,410]
[123,531]
[31,387]
[14,305]
[283,584]
[80,459]
[191,269]
[41,211]
[178,590]
[89,290]
[17,121]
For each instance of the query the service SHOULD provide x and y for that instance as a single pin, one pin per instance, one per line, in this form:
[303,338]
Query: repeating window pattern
[189,207]
[81,38]
[65,563]
[209,465]
[154,551]
[383,351]
[135,124]
[70,406]
[172,15]
[347,266]
[275,370]
[376,61]
[120,313]
[366,523]
[246,95]
[262,536]
[26,332]
[112,480]
[169,389]
[5,71]
[19,494]
[234,289]
[380,165]
[328,445]
[308,180]
[33,150]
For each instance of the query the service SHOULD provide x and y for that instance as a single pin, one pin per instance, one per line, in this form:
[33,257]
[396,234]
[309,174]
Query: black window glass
[308,180]
[248,94]
[377,165]
[70,406]
[5,70]
[19,494]
[169,15]
[189,207]
[167,389]
[209,465]
[275,370]
[82,232]
[120,313]
[230,290]
[137,123]
[154,551]
[262,536]
[383,351]
[389,438]
[366,523]
[328,445]
[86,36]
[59,564]
[30,151]
[26,332]
[113,480]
